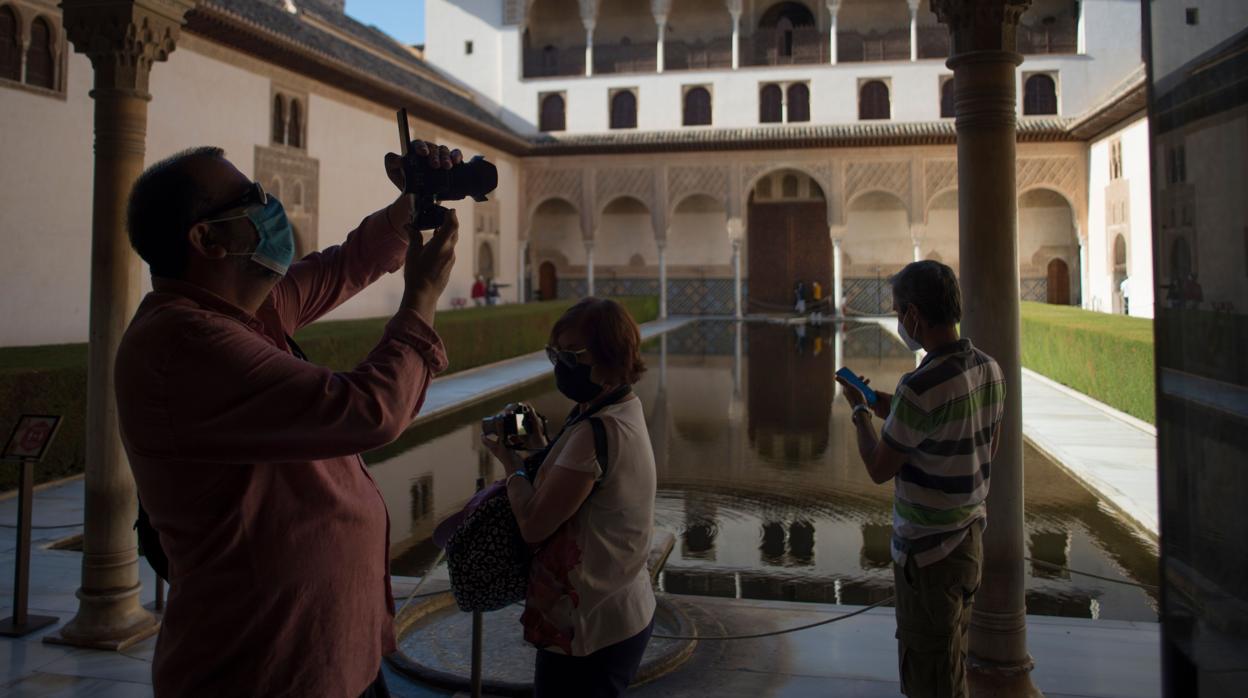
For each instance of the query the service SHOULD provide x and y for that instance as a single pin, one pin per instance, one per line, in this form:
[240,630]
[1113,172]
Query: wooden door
[547,281]
[788,242]
[1058,283]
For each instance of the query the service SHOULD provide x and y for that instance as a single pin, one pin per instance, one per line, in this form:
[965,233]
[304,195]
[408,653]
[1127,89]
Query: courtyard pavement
[1110,452]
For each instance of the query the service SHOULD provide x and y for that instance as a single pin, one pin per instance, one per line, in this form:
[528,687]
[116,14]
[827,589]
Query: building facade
[715,151]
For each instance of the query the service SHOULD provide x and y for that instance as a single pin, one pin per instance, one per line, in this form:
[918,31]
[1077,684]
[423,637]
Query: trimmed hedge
[1107,357]
[52,379]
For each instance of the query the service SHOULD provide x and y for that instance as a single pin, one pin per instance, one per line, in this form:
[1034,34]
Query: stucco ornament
[124,39]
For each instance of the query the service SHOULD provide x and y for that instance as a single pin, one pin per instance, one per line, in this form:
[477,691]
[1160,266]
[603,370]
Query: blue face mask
[276,249]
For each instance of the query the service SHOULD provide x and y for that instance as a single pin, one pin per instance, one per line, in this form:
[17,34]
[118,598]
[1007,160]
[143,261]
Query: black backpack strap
[600,444]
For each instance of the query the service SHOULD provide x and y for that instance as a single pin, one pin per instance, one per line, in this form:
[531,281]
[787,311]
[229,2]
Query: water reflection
[760,481]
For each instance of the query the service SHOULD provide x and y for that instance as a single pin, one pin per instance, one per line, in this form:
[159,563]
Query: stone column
[735,8]
[918,251]
[984,60]
[662,279]
[1083,273]
[736,230]
[123,38]
[838,279]
[838,354]
[662,22]
[522,281]
[589,47]
[914,30]
[660,9]
[834,8]
[589,267]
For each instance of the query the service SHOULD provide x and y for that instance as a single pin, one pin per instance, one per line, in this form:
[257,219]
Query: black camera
[429,186]
[517,419]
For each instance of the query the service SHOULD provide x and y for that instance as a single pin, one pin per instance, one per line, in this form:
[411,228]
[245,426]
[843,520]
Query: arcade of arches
[625,228]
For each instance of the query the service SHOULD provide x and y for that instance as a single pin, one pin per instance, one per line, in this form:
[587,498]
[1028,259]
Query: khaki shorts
[933,613]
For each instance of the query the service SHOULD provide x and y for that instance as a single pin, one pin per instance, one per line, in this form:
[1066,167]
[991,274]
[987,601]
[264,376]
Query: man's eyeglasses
[564,356]
[254,196]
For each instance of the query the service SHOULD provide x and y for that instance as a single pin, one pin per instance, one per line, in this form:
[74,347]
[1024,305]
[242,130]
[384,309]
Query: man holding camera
[245,454]
[939,437]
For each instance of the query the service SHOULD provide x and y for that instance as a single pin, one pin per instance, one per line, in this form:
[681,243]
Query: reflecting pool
[760,480]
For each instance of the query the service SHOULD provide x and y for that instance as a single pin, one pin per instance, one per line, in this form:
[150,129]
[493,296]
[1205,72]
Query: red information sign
[31,436]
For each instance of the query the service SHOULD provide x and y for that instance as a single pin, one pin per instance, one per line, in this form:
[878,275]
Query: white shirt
[612,529]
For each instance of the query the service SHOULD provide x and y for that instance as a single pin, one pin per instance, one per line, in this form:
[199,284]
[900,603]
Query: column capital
[914,6]
[834,6]
[735,7]
[660,8]
[980,25]
[589,245]
[123,38]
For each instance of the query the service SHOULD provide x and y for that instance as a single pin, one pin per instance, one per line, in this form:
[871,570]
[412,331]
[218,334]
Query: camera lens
[474,178]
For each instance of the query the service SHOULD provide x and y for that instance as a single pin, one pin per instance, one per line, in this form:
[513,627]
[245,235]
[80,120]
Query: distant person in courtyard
[590,605]
[478,292]
[246,454]
[1125,289]
[491,293]
[940,434]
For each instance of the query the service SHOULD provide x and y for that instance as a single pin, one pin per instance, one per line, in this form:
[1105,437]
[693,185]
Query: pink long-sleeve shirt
[246,459]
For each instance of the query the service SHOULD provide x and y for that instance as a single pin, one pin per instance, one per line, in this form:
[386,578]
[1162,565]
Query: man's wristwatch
[860,408]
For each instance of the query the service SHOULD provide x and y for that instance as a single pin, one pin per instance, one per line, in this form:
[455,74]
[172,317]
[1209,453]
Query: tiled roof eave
[783,138]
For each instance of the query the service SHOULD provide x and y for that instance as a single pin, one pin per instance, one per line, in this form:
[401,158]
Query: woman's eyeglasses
[564,356]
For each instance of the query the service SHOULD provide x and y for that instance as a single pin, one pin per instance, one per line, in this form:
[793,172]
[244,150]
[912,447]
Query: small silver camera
[517,419]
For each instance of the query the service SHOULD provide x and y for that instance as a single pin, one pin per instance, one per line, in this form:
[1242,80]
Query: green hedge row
[1107,357]
[53,379]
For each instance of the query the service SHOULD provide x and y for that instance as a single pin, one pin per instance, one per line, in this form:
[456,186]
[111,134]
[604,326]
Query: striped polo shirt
[943,417]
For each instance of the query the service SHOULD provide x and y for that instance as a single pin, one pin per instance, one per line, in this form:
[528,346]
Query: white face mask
[911,343]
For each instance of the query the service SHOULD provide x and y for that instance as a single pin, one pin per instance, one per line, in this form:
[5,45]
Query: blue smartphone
[853,379]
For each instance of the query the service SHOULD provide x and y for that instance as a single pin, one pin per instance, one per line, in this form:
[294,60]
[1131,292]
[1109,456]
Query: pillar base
[990,680]
[107,621]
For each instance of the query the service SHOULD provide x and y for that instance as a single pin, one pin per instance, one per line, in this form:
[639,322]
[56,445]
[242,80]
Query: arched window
[294,135]
[485,260]
[698,107]
[770,110]
[40,63]
[275,188]
[296,194]
[873,100]
[799,103]
[279,119]
[624,110]
[946,99]
[552,117]
[10,48]
[1040,95]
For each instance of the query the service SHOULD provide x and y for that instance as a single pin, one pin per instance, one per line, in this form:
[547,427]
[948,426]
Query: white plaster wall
[1112,40]
[1045,221]
[354,183]
[449,24]
[879,234]
[698,234]
[625,230]
[45,212]
[1135,165]
[1178,42]
[556,229]
[45,205]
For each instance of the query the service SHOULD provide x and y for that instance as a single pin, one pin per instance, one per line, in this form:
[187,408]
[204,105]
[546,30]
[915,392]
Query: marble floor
[1112,453]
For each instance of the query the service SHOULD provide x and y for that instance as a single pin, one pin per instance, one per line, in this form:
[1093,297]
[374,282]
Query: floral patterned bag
[551,594]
